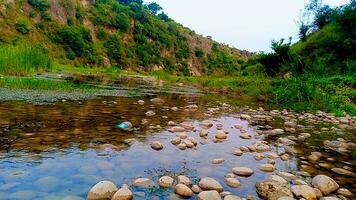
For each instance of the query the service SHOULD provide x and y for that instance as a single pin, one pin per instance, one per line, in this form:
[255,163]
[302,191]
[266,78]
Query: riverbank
[335,94]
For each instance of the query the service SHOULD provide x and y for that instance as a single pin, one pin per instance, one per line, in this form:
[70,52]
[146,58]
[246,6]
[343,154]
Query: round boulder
[102,190]
[208,183]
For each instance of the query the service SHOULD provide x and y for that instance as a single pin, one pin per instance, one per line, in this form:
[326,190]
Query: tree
[154,7]
[131,1]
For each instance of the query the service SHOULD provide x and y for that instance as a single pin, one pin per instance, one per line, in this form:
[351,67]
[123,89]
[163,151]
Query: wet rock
[166,181]
[325,184]
[286,198]
[174,108]
[242,171]
[221,135]
[344,172]
[156,145]
[184,180]
[329,198]
[285,157]
[232,197]
[286,175]
[183,190]
[209,195]
[345,192]
[204,133]
[217,161]
[237,152]
[188,143]
[192,140]
[182,135]
[182,146]
[304,191]
[206,124]
[171,123]
[272,190]
[245,136]
[102,190]
[196,189]
[315,156]
[142,182]
[225,193]
[267,167]
[278,179]
[260,147]
[317,193]
[176,129]
[276,132]
[245,117]
[232,182]
[188,126]
[157,101]
[208,183]
[124,193]
[285,141]
[259,156]
[300,182]
[176,141]
[150,113]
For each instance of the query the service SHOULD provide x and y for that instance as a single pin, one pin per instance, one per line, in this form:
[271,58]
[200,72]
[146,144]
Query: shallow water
[63,149]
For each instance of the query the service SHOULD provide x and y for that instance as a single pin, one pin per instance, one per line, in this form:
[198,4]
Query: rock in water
[157,101]
[232,182]
[208,183]
[325,184]
[232,197]
[304,191]
[156,145]
[272,190]
[267,167]
[242,171]
[184,190]
[102,190]
[221,135]
[142,182]
[209,195]
[124,193]
[166,181]
[184,180]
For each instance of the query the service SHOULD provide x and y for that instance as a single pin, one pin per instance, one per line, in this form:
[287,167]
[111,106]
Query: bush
[122,22]
[42,5]
[199,52]
[77,39]
[114,48]
[22,27]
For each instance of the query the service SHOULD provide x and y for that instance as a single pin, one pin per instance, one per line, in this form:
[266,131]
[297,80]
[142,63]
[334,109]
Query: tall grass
[23,59]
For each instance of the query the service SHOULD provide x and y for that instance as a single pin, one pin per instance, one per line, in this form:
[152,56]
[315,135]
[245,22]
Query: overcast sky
[245,24]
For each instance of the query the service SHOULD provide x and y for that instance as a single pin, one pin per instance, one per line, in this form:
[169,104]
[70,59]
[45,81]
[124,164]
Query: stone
[232,197]
[150,113]
[206,124]
[259,156]
[272,190]
[345,192]
[278,179]
[183,190]
[286,198]
[142,182]
[208,183]
[177,129]
[102,190]
[188,143]
[182,146]
[156,145]
[188,126]
[242,171]
[196,189]
[204,133]
[225,193]
[124,193]
[325,184]
[165,181]
[184,180]
[230,175]
[237,152]
[192,140]
[182,135]
[217,161]
[72,197]
[157,101]
[221,135]
[141,102]
[304,191]
[344,172]
[171,123]
[287,176]
[329,198]
[318,193]
[245,136]
[267,167]
[209,195]
[245,117]
[176,141]
[232,182]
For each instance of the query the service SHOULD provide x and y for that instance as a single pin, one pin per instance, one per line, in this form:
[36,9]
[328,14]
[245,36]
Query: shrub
[114,48]
[42,5]
[22,27]
[199,52]
[77,39]
[122,22]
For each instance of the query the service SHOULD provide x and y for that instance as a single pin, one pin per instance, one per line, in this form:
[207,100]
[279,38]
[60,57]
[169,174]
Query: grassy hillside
[123,33]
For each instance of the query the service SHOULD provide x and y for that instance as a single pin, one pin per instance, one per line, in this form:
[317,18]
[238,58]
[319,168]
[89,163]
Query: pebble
[259,156]
[176,141]
[196,189]
[325,184]
[242,171]
[208,183]
[267,167]
[217,161]
[272,190]
[102,190]
[221,135]
[156,145]
[165,181]
[124,193]
[232,197]
[204,133]
[150,113]
[182,146]
[157,101]
[304,191]
[209,195]
[142,182]
[183,190]
[184,180]
[345,192]
[344,172]
[232,182]
[237,152]
[182,135]
[278,179]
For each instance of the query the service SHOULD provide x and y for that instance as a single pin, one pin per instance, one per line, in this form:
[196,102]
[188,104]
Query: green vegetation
[30,83]
[22,27]
[23,59]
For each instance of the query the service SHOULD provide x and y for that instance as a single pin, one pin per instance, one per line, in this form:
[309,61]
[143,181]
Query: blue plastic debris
[124,125]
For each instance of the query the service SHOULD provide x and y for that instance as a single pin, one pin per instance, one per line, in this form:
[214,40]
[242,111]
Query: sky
[244,24]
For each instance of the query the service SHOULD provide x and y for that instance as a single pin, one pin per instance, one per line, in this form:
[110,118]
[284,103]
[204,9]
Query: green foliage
[22,27]
[154,7]
[42,5]
[76,39]
[102,34]
[122,22]
[199,52]
[114,48]
[80,13]
[23,59]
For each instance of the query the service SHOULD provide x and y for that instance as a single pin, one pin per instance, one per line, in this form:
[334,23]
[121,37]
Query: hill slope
[125,33]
